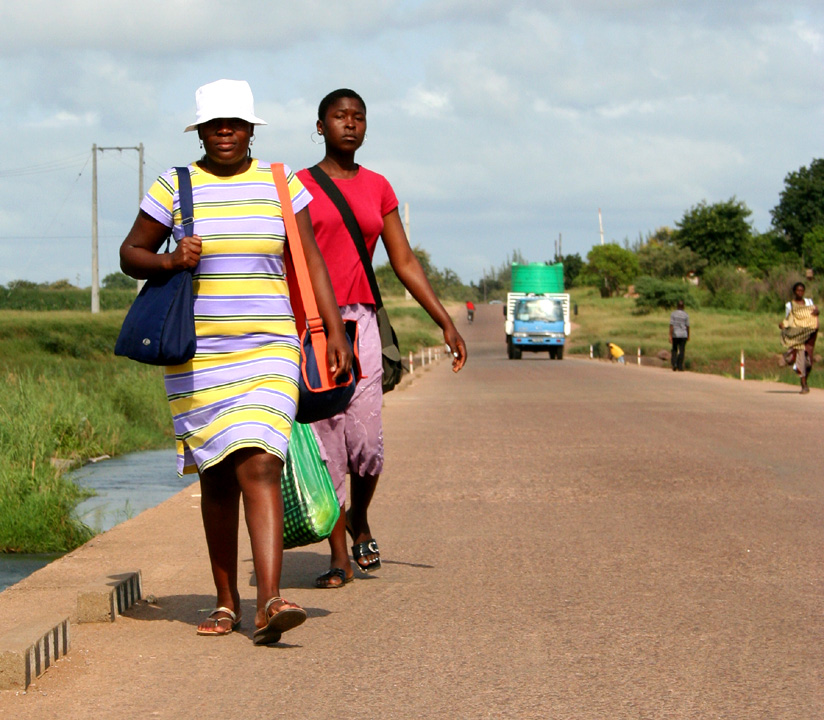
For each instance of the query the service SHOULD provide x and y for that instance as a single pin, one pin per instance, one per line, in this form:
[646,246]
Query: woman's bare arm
[138,252]
[411,274]
[339,353]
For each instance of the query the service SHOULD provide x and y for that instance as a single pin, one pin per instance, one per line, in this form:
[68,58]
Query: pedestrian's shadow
[193,609]
[299,571]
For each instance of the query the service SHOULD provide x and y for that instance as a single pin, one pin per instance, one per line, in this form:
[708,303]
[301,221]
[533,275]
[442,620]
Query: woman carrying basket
[799,330]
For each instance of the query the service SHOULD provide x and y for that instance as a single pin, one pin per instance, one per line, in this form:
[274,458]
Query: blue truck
[536,323]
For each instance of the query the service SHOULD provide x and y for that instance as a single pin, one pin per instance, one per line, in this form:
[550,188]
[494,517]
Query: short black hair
[799,284]
[323,108]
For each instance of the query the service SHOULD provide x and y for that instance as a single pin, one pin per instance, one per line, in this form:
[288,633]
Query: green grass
[717,337]
[65,397]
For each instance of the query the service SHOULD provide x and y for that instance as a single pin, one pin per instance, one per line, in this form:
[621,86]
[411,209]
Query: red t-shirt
[371,198]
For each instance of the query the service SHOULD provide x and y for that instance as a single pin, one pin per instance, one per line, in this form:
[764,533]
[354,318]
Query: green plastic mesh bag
[310,504]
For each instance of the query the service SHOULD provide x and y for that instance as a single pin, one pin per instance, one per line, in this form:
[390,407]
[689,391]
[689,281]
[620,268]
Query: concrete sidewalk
[560,540]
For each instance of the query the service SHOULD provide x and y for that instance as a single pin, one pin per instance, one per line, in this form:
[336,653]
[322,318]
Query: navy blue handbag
[159,328]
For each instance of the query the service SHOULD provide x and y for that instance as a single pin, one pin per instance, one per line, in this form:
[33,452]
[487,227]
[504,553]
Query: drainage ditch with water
[125,486]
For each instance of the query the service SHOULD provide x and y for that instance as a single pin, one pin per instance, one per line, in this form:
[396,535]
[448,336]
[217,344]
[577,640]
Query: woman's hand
[339,356]
[187,253]
[139,255]
[457,346]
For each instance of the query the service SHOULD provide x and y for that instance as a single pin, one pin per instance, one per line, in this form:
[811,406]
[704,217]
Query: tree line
[714,257]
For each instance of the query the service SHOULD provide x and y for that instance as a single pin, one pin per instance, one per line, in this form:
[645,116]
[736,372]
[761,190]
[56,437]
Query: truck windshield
[540,310]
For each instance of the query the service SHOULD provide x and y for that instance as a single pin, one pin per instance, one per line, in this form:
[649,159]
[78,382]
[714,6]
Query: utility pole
[95,262]
[601,225]
[95,271]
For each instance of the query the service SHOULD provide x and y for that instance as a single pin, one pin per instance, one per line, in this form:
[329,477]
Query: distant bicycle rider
[470,310]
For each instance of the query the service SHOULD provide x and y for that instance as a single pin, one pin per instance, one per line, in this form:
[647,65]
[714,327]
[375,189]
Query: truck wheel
[509,347]
[516,353]
[559,352]
[553,352]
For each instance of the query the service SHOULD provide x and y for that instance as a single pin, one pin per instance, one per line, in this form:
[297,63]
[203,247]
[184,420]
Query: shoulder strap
[351,223]
[298,260]
[184,192]
[307,293]
[187,212]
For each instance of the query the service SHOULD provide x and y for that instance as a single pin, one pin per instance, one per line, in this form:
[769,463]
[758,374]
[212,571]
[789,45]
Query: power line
[53,237]
[47,167]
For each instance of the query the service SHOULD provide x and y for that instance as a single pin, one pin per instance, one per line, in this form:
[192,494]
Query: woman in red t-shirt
[353,440]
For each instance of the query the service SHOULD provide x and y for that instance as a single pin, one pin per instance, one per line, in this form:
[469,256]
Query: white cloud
[423,103]
[810,36]
[63,119]
[503,124]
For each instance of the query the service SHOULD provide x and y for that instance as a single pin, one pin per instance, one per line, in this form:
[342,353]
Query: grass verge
[717,337]
[65,398]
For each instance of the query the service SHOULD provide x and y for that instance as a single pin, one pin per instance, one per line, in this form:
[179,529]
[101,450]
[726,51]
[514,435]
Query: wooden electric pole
[95,268]
[95,262]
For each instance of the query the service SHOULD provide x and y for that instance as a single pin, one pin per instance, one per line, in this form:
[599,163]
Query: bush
[731,288]
[654,293]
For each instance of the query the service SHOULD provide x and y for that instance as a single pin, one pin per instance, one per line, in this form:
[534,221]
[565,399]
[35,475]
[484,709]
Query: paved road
[561,539]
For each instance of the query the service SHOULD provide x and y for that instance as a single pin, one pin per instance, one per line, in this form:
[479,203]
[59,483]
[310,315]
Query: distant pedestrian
[799,330]
[470,310]
[615,353]
[679,333]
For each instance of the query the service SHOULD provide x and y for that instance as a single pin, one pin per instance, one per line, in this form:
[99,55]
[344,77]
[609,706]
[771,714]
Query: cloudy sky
[504,125]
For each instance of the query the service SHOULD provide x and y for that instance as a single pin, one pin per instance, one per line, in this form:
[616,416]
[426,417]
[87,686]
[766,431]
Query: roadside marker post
[742,364]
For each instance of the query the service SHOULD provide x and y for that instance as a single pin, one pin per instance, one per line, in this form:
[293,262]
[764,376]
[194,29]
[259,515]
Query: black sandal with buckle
[325,581]
[361,550]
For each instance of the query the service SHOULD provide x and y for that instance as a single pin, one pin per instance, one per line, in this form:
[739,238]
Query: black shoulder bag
[392,367]
[159,328]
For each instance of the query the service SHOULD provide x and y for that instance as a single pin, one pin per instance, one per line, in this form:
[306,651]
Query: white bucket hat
[225,99]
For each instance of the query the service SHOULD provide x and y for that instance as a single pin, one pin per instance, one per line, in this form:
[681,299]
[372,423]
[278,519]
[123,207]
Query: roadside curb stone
[23,659]
[103,601]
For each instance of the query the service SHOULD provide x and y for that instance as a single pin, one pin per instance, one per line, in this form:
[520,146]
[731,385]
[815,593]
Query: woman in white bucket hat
[234,403]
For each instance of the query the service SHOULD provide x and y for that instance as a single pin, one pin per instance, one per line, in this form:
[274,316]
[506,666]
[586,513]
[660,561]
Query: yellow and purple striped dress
[240,389]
